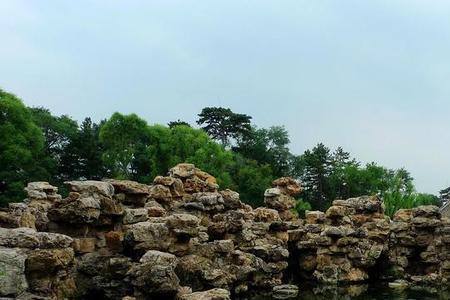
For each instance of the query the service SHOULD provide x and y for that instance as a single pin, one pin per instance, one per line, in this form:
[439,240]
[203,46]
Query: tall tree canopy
[223,125]
[268,146]
[21,148]
[178,122]
[58,132]
[124,138]
[82,157]
[37,145]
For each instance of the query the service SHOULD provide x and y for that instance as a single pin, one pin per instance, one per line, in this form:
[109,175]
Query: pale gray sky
[371,76]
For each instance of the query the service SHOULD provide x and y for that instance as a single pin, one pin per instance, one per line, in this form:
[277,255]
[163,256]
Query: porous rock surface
[182,238]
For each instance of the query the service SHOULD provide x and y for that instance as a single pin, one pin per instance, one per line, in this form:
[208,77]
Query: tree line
[37,145]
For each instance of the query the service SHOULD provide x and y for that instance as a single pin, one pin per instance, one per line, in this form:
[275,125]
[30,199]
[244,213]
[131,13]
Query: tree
[402,194]
[58,131]
[268,146]
[21,147]
[223,125]
[344,172]
[185,144]
[278,150]
[124,138]
[178,122]
[251,179]
[83,156]
[316,165]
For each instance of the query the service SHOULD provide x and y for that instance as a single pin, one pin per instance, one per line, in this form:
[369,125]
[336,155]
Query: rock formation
[183,238]
[342,244]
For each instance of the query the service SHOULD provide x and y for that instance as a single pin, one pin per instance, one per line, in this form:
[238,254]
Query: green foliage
[330,175]
[301,207]
[59,132]
[268,146]
[185,144]
[124,138]
[37,145]
[223,125]
[315,167]
[82,157]
[177,123]
[251,179]
[401,194]
[21,147]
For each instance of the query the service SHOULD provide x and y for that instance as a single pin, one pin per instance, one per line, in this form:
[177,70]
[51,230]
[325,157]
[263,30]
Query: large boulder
[48,272]
[29,238]
[274,198]
[91,187]
[144,236]
[155,274]
[12,271]
[287,185]
[76,210]
[128,187]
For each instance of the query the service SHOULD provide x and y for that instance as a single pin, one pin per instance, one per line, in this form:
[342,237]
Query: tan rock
[314,217]
[214,294]
[128,187]
[91,186]
[182,170]
[262,214]
[114,240]
[287,185]
[84,245]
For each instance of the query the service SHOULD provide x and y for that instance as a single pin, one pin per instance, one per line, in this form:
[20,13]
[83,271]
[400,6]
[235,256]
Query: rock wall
[342,244]
[182,238]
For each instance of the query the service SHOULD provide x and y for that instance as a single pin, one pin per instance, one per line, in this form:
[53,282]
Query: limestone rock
[213,294]
[84,245]
[280,202]
[159,280]
[147,235]
[12,271]
[286,291]
[159,258]
[41,190]
[135,215]
[287,185]
[91,187]
[182,171]
[29,238]
[128,187]
[231,199]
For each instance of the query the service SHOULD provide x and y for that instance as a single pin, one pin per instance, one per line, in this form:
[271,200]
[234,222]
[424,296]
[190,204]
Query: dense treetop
[37,145]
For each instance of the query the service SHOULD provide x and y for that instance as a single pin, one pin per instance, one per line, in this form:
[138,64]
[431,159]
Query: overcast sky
[371,76]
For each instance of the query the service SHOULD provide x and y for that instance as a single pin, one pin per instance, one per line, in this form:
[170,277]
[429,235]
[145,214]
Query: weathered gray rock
[231,199]
[286,291]
[91,187]
[154,257]
[76,209]
[29,238]
[12,271]
[148,235]
[157,280]
[41,190]
[287,186]
[128,187]
[135,215]
[182,171]
[213,294]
